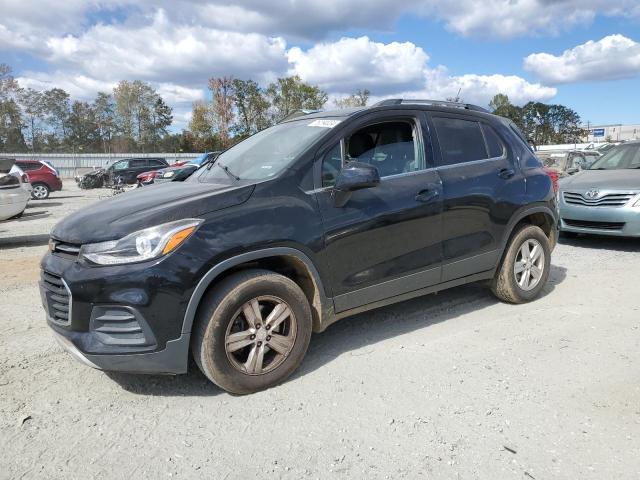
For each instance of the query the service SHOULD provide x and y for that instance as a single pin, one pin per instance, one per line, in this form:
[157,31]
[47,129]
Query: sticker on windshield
[324,123]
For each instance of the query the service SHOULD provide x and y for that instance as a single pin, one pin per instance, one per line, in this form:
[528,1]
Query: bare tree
[223,102]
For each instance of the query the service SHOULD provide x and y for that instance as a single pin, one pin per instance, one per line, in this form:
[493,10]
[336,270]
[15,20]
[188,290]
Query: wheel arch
[286,261]
[541,216]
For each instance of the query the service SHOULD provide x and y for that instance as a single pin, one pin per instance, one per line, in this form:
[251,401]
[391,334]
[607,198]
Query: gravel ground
[454,385]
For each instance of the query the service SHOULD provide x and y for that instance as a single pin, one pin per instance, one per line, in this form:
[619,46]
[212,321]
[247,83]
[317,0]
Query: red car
[43,178]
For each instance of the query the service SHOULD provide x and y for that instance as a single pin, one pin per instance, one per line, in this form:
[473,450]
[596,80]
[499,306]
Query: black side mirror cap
[354,176]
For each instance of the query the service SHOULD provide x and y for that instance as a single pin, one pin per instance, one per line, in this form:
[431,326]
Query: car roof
[442,107]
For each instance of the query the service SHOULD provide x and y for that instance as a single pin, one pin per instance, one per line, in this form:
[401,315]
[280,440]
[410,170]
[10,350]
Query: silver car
[605,199]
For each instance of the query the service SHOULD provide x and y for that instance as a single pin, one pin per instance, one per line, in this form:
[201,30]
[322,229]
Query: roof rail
[435,103]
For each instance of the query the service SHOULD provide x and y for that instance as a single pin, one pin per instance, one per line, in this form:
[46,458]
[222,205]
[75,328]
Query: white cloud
[611,58]
[160,50]
[80,87]
[479,89]
[352,63]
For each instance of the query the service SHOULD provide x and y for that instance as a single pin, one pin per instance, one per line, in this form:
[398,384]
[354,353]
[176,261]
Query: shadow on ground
[347,335]
[24,241]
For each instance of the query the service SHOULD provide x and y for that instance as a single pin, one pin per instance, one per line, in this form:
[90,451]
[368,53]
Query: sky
[583,54]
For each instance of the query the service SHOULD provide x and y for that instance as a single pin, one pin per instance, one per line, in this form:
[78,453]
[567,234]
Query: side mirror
[354,176]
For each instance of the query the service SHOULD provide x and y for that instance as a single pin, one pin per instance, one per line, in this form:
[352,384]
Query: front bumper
[123,318]
[614,221]
[167,361]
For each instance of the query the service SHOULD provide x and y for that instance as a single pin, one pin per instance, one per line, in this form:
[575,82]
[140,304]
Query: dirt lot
[449,386]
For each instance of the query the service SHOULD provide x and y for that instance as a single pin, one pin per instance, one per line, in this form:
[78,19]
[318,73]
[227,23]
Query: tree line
[134,117]
[542,123]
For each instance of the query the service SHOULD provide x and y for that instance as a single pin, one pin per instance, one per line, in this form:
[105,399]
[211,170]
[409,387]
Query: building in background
[613,133]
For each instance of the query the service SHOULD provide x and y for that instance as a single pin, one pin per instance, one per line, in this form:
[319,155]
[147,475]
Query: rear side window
[460,140]
[154,162]
[138,163]
[494,144]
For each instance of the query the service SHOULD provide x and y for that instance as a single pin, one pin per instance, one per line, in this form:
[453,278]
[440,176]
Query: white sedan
[14,193]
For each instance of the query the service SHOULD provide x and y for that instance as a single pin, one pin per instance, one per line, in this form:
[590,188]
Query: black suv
[312,220]
[129,168]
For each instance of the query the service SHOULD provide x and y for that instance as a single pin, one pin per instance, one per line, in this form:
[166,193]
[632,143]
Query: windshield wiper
[228,172]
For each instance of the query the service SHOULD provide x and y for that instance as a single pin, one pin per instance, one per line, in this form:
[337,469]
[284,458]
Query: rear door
[480,179]
[136,167]
[385,241]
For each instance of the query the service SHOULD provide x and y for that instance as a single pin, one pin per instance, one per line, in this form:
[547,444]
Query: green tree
[83,129]
[34,113]
[11,137]
[200,127]
[104,109]
[252,107]
[56,107]
[358,99]
[290,94]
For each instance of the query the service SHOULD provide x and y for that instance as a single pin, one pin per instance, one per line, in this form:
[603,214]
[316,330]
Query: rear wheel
[40,191]
[252,331]
[525,267]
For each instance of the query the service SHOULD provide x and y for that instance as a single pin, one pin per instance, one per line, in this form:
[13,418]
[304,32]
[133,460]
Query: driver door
[386,240]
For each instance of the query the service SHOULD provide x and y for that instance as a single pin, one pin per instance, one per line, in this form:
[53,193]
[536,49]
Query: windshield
[266,153]
[619,158]
[200,159]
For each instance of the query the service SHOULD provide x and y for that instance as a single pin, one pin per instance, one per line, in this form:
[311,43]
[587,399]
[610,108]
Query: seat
[359,144]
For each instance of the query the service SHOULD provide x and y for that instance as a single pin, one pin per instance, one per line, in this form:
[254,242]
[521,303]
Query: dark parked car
[176,173]
[300,225]
[43,178]
[129,168]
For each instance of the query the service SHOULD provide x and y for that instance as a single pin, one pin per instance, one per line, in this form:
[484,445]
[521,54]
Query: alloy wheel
[529,264]
[40,192]
[261,335]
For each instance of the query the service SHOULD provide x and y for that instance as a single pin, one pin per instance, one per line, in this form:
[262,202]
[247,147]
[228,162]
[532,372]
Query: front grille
[611,226]
[64,248]
[57,298]
[608,200]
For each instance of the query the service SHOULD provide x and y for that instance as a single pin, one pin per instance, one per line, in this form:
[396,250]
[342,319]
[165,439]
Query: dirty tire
[218,309]
[40,191]
[504,284]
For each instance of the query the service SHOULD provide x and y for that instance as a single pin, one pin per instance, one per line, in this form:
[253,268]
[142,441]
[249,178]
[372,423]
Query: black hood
[116,217]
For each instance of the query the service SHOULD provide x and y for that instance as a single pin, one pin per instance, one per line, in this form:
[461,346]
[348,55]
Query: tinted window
[391,147]
[138,163]
[460,140]
[155,162]
[494,144]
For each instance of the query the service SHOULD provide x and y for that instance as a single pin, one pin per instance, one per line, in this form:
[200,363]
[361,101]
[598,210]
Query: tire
[40,191]
[222,314]
[511,286]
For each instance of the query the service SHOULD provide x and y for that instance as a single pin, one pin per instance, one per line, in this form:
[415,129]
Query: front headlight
[168,174]
[142,245]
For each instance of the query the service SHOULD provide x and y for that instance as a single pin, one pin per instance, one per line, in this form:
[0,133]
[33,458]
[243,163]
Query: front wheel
[252,331]
[524,270]
[40,192]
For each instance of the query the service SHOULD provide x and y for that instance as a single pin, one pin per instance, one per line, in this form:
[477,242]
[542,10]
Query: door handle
[506,173]
[427,195]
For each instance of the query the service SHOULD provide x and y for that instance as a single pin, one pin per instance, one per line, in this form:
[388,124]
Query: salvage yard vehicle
[125,170]
[605,199]
[14,195]
[570,162]
[175,172]
[43,178]
[312,220]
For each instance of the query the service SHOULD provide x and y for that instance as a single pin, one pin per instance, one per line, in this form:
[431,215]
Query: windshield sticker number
[324,123]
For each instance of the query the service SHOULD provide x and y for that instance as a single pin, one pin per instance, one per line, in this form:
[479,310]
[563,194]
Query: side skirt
[486,275]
